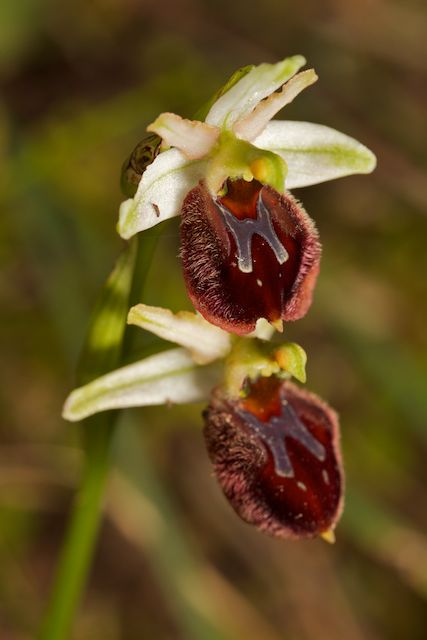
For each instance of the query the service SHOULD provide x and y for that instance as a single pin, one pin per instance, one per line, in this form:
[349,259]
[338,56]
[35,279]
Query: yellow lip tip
[328,536]
[278,325]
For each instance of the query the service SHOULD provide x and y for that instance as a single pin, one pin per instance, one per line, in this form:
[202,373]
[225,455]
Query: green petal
[170,376]
[314,153]
[244,96]
[292,359]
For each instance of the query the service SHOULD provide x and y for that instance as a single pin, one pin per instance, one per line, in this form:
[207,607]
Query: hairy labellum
[276,456]
[252,253]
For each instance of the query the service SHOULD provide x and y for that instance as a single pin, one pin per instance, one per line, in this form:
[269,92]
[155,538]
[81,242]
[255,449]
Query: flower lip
[237,273]
[281,469]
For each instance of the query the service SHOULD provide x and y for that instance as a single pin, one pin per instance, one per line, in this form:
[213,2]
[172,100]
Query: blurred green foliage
[80,81]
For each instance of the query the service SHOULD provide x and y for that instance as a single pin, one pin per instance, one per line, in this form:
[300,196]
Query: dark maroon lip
[252,253]
[276,456]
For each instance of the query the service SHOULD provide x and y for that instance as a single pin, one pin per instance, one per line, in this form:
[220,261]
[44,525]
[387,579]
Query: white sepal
[314,153]
[167,377]
[204,341]
[161,191]
[194,138]
[243,97]
[252,125]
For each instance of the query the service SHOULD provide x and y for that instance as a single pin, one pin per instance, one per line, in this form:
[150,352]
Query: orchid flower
[248,248]
[268,478]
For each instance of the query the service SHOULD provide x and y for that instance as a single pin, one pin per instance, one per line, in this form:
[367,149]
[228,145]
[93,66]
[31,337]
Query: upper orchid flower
[248,248]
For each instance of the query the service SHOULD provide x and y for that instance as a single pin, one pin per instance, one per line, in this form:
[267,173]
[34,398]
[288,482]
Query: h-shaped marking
[274,434]
[243,230]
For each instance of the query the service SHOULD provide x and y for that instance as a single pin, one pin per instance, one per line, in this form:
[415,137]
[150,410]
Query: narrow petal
[259,83]
[204,341]
[170,376]
[251,125]
[195,139]
[160,193]
[315,153]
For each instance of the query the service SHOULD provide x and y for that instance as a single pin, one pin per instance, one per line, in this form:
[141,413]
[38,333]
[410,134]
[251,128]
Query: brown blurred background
[79,82]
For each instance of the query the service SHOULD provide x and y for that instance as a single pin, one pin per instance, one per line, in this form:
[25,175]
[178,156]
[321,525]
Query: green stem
[123,289]
[82,532]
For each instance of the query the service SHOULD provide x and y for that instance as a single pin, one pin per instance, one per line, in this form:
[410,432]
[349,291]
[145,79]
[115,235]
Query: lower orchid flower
[276,456]
[248,248]
[274,447]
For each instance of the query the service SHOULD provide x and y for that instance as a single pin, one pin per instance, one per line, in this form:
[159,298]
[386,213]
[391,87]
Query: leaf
[259,83]
[161,191]
[314,153]
[204,341]
[170,376]
[103,344]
